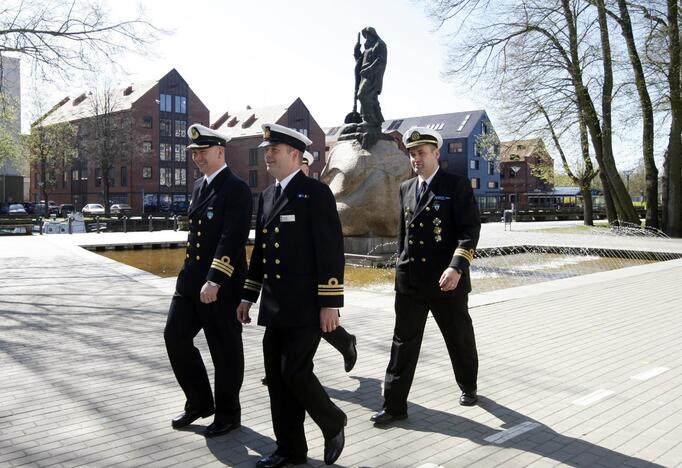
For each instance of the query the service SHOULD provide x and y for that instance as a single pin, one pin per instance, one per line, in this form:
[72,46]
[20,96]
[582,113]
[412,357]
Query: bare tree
[105,137]
[60,36]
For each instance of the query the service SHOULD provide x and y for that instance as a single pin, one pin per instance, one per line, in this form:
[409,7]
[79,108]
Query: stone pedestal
[366,185]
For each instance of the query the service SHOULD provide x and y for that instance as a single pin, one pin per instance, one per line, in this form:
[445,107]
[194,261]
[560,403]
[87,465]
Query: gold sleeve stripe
[253,283]
[330,286]
[330,293]
[468,254]
[251,288]
[222,269]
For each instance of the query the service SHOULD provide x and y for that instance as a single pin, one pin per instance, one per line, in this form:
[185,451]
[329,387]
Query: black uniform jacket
[219,222]
[440,231]
[297,258]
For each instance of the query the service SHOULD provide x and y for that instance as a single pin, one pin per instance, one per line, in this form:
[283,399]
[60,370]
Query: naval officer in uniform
[297,270]
[439,230]
[208,288]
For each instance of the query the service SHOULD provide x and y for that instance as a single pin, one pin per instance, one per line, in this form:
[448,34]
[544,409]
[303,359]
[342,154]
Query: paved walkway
[584,371]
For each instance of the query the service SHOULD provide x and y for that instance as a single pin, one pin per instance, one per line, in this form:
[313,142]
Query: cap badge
[436,221]
[415,136]
[266,133]
[194,133]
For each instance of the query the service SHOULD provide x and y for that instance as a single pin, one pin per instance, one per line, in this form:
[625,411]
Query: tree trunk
[587,204]
[674,206]
[608,200]
[650,170]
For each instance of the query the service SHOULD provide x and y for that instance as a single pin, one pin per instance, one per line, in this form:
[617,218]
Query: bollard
[125,223]
[70,226]
[97,223]
[151,224]
[175,222]
[41,222]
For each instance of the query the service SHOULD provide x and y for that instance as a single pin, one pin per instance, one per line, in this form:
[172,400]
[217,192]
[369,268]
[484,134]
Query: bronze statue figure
[369,73]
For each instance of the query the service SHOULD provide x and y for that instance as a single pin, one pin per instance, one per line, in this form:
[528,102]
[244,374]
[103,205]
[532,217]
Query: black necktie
[202,190]
[278,192]
[422,190]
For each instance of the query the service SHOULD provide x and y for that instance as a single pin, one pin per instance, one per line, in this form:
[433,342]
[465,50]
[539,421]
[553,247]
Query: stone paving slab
[85,380]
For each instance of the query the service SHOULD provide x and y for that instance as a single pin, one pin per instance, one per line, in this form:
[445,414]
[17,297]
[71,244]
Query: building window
[64,177]
[165,174]
[253,178]
[147,122]
[180,177]
[180,104]
[253,156]
[165,103]
[473,164]
[98,177]
[146,146]
[112,179]
[455,148]
[180,128]
[475,183]
[180,153]
[513,171]
[165,151]
[74,174]
[492,184]
[147,172]
[316,155]
[303,131]
[491,168]
[316,175]
[124,176]
[164,127]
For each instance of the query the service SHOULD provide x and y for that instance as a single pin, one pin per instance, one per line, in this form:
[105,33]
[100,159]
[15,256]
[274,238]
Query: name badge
[287,218]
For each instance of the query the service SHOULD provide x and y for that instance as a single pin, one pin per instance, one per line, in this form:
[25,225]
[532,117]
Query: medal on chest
[209,213]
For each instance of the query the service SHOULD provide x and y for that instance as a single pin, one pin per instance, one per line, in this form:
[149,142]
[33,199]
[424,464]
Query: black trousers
[224,336]
[294,388]
[452,316]
[340,339]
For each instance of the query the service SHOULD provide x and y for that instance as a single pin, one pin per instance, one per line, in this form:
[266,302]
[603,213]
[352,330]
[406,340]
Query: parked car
[52,207]
[93,209]
[17,209]
[65,209]
[4,208]
[179,207]
[29,207]
[120,208]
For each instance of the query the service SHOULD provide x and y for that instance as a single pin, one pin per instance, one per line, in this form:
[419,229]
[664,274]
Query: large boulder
[366,185]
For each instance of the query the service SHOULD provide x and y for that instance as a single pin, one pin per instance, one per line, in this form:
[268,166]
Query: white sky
[261,53]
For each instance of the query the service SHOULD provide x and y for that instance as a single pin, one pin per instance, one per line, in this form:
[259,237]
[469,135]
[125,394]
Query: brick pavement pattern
[85,380]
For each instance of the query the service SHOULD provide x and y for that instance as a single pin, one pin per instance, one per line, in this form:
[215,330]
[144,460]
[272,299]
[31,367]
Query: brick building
[244,128]
[157,175]
[525,167]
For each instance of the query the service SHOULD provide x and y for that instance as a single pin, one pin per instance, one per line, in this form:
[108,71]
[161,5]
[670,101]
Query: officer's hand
[449,279]
[329,319]
[209,293]
[243,312]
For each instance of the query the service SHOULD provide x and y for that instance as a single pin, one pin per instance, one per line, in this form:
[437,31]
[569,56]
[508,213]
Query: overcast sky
[261,53]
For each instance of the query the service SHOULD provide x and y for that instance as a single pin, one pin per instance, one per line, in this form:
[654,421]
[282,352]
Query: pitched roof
[70,109]
[451,125]
[248,122]
[523,149]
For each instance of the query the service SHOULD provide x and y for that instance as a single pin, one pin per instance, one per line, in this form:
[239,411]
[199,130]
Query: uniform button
[199,221]
[409,242]
[412,225]
[263,244]
[199,233]
[277,276]
[188,244]
[190,221]
[277,245]
[276,229]
[277,261]
[265,231]
[423,259]
[198,245]
[421,224]
[421,242]
[428,209]
[198,257]
[265,276]
[264,260]
[187,256]
[412,259]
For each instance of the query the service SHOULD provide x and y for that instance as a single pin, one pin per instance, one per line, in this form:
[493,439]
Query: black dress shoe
[188,417]
[383,418]
[468,399]
[275,461]
[217,428]
[333,447]
[351,356]
[264,380]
